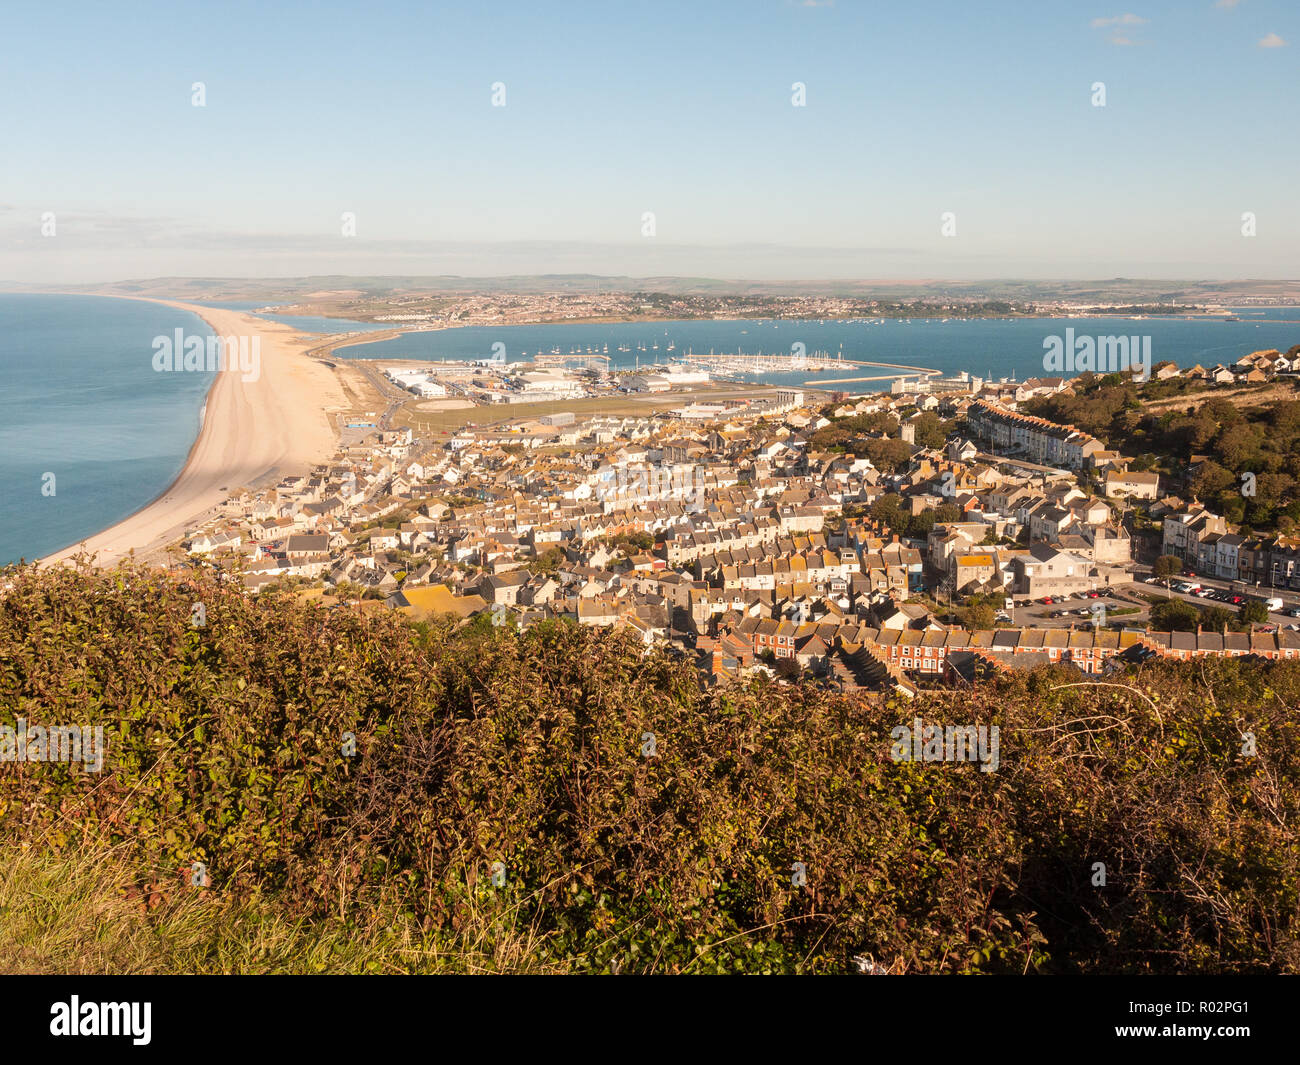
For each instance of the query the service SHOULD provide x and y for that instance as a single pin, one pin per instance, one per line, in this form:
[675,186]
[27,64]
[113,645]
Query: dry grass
[66,913]
[1251,396]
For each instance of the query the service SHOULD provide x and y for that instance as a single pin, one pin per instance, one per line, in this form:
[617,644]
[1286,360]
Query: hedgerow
[345,766]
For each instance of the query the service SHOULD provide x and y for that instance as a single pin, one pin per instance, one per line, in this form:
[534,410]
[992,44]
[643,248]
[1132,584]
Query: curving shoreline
[249,431]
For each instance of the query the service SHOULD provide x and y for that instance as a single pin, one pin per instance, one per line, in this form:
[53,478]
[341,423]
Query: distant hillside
[564,800]
[1112,290]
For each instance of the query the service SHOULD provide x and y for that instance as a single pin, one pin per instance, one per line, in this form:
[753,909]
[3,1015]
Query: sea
[89,432]
[991,348]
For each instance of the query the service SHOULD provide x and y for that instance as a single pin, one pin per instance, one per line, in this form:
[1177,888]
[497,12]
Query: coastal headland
[255,428]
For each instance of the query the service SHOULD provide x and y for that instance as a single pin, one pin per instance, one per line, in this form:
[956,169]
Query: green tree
[888,509]
[1167,566]
[1174,615]
[1217,618]
[1253,612]
[547,562]
[931,430]
[788,668]
[887,455]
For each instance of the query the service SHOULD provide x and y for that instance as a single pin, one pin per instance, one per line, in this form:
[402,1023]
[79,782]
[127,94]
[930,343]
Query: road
[992,460]
[1038,615]
[395,396]
[1290,601]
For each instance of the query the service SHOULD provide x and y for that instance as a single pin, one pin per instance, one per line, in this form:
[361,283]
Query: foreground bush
[502,809]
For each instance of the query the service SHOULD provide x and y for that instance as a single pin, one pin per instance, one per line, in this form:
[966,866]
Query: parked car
[1294,612]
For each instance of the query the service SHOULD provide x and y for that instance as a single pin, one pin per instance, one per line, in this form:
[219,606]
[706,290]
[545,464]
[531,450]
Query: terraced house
[927,653]
[1036,439]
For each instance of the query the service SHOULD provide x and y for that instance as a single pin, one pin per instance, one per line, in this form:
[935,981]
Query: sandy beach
[253,431]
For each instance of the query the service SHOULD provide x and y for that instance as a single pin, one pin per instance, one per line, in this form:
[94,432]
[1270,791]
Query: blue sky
[683,109]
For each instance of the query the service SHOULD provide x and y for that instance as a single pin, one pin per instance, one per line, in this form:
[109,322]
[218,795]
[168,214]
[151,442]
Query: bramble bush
[500,781]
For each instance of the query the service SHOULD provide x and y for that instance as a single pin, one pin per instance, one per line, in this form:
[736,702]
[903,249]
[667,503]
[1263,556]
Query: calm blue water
[79,398]
[985,347]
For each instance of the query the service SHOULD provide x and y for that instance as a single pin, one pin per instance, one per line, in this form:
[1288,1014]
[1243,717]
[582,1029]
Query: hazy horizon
[287,287]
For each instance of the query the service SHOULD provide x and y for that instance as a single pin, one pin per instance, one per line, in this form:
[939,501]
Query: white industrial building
[547,383]
[420,382]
